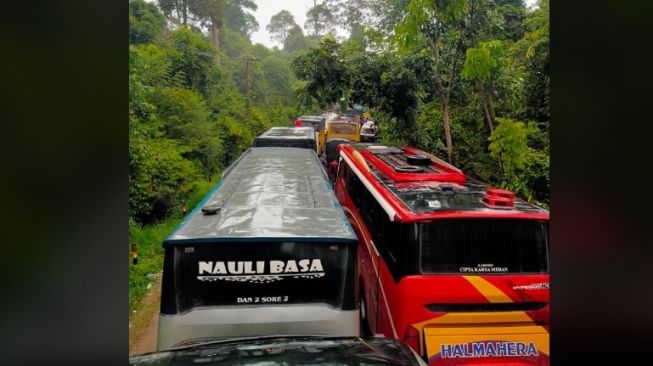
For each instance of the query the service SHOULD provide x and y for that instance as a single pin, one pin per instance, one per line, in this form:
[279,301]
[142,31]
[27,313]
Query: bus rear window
[483,246]
[343,128]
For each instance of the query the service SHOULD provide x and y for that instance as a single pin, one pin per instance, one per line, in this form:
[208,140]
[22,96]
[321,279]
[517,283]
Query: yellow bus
[344,129]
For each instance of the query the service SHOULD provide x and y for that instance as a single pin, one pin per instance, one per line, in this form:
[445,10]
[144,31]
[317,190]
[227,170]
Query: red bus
[455,269]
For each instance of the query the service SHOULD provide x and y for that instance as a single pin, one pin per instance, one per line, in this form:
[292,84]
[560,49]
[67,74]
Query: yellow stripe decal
[491,292]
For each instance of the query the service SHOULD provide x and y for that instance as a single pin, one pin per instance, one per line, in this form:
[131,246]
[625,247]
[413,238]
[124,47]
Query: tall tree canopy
[448,28]
[469,74]
[320,20]
[145,22]
[280,26]
[238,16]
[326,74]
[187,114]
[295,40]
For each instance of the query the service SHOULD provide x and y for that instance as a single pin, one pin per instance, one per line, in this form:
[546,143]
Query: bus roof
[437,190]
[289,133]
[312,118]
[268,194]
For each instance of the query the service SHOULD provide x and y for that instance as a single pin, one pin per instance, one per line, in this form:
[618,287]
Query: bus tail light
[411,338]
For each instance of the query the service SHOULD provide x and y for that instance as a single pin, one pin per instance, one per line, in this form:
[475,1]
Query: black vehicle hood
[272,351]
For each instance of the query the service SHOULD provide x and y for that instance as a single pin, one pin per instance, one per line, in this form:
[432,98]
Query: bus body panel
[227,322]
[319,125]
[510,345]
[368,257]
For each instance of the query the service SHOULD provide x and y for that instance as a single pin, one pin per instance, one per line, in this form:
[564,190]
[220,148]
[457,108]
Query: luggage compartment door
[489,345]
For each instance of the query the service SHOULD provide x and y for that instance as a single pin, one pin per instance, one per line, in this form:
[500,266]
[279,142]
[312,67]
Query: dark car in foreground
[282,350]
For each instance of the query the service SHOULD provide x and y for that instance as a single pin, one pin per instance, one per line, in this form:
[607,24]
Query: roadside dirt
[144,323]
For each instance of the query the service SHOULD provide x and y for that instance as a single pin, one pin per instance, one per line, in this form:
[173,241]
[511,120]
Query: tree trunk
[488,115]
[184,7]
[315,21]
[215,37]
[446,92]
[177,6]
[491,106]
[447,128]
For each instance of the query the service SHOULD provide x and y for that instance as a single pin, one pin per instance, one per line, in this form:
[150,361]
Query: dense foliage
[193,108]
[465,79]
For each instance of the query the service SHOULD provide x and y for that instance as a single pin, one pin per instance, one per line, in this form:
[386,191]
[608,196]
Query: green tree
[280,26]
[210,13]
[437,24]
[237,138]
[351,15]
[295,41]
[276,76]
[192,58]
[513,13]
[483,66]
[447,28]
[325,72]
[185,119]
[508,143]
[394,87]
[536,62]
[187,116]
[319,20]
[239,18]
[526,169]
[146,23]
[159,178]
[177,11]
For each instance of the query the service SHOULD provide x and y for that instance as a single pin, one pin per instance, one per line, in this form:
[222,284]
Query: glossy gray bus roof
[290,133]
[317,118]
[269,193]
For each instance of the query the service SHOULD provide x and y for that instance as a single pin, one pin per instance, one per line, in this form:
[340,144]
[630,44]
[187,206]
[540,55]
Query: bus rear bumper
[247,321]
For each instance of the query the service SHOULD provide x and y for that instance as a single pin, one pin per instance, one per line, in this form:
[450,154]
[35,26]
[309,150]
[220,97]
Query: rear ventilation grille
[499,198]
[485,307]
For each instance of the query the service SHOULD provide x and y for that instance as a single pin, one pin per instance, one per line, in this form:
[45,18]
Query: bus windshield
[484,246]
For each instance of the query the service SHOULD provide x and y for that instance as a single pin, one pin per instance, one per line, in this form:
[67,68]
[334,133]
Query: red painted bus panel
[489,315]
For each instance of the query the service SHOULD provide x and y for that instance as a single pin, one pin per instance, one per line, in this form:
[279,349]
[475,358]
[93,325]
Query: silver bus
[303,137]
[268,251]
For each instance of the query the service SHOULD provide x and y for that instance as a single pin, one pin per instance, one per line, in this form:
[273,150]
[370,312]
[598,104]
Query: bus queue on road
[302,237]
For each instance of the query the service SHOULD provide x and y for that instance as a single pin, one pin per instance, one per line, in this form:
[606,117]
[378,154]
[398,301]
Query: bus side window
[369,211]
[385,233]
[356,189]
[342,172]
[387,238]
[394,241]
